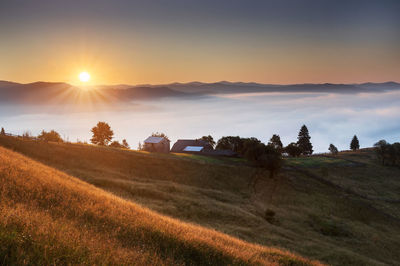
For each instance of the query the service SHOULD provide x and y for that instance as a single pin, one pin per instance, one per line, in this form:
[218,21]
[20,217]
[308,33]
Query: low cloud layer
[331,118]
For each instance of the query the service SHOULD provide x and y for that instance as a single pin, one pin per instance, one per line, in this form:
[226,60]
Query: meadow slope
[341,210]
[49,217]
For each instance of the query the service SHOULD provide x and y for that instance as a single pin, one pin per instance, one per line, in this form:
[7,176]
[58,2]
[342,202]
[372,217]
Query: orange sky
[208,42]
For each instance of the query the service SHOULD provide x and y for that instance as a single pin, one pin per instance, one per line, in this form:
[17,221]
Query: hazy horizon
[77,84]
[332,117]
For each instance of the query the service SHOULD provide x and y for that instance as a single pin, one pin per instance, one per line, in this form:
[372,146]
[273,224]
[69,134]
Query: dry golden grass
[341,210]
[49,217]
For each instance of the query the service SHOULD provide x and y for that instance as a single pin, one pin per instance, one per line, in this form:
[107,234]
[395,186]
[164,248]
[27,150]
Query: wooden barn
[196,146]
[156,144]
[191,146]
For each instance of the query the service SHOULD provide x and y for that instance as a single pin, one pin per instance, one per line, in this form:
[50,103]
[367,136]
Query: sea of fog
[330,118]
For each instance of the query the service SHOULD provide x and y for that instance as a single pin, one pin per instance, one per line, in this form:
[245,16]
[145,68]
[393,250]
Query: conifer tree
[355,144]
[303,140]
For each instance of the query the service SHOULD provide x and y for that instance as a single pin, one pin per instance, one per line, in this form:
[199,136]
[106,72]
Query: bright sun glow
[84,76]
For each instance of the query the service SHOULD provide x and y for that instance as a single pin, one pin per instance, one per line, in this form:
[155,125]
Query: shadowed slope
[342,210]
[50,217]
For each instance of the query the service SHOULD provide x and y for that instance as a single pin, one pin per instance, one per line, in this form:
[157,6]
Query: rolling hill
[64,93]
[341,210]
[49,217]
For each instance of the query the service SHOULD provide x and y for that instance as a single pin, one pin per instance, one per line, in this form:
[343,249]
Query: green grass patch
[315,161]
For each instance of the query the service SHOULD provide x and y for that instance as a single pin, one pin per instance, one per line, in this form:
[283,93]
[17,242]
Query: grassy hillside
[339,210]
[49,217]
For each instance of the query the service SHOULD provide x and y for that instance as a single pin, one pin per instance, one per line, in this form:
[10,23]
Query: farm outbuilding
[191,145]
[156,144]
[197,146]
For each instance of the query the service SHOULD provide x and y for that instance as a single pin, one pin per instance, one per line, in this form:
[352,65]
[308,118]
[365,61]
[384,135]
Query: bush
[269,216]
[329,227]
[27,135]
[116,144]
[293,150]
[50,136]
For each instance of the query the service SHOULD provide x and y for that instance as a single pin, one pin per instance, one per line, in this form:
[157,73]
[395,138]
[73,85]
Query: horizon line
[201,82]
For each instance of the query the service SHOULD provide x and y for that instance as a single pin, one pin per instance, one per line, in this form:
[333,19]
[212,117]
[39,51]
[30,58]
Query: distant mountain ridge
[249,87]
[60,92]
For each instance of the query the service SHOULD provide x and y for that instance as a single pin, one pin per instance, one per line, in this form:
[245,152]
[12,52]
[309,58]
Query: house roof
[193,148]
[181,144]
[154,140]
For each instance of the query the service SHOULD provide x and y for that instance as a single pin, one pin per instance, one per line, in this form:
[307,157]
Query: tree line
[102,135]
[303,146]
[267,156]
[388,154]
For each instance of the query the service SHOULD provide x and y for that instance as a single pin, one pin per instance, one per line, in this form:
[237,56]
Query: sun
[84,76]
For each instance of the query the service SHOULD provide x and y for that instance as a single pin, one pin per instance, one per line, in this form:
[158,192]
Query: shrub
[293,150]
[27,135]
[116,144]
[50,136]
[329,227]
[269,216]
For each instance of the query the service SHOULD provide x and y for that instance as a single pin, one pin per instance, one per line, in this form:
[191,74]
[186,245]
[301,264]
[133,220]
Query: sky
[159,41]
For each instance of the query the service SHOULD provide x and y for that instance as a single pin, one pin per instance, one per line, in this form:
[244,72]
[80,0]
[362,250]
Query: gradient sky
[159,41]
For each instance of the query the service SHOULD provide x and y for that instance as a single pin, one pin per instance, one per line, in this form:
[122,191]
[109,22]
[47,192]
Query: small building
[191,146]
[156,144]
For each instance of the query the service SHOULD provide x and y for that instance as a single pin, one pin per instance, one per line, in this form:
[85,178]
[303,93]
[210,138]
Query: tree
[27,135]
[272,160]
[381,150]
[102,134]
[387,152]
[116,144]
[248,144]
[208,139]
[125,144]
[355,144]
[264,156]
[140,146]
[2,132]
[333,149]
[276,142]
[394,153]
[303,141]
[293,149]
[161,135]
[230,143]
[50,136]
